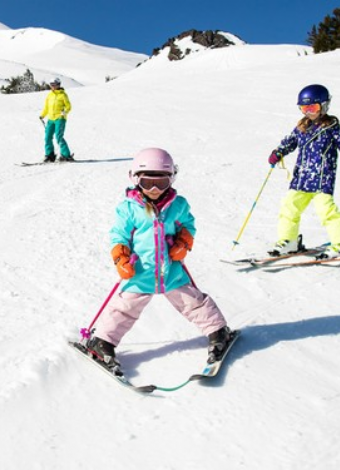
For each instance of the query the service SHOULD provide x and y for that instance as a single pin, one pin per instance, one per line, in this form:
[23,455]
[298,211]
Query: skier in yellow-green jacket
[56,108]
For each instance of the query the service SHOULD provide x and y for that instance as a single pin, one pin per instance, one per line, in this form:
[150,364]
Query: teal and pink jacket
[146,235]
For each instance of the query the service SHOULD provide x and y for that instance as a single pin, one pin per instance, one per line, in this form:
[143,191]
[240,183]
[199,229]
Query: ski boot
[284,247]
[70,158]
[218,343]
[105,352]
[332,252]
[50,158]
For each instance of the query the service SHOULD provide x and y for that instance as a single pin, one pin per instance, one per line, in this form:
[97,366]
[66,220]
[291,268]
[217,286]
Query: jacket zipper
[159,239]
[158,228]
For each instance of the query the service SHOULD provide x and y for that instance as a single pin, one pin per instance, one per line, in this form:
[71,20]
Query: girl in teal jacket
[147,235]
[153,232]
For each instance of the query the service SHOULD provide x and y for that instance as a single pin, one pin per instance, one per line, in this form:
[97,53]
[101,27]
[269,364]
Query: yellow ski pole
[235,242]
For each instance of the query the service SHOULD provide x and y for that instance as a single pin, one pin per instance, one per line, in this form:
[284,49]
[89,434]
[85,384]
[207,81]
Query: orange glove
[182,244]
[121,257]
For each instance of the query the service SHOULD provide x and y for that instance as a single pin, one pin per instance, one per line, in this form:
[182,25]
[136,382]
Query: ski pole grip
[85,333]
[133,258]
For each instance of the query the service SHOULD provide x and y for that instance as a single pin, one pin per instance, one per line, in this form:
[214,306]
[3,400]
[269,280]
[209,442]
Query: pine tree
[312,36]
[23,84]
[326,36]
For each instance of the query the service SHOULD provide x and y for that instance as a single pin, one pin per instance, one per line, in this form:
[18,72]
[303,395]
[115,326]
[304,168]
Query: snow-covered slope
[276,405]
[49,53]
[215,46]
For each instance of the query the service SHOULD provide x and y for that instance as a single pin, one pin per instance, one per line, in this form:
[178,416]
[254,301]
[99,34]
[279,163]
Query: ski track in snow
[276,402]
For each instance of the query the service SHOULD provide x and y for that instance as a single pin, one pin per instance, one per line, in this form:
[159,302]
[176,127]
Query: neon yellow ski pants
[294,204]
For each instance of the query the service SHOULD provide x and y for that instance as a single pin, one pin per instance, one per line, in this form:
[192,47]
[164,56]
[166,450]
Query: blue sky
[142,25]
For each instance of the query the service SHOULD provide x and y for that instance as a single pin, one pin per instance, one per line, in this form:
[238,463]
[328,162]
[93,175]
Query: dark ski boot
[50,158]
[218,343]
[104,351]
[70,158]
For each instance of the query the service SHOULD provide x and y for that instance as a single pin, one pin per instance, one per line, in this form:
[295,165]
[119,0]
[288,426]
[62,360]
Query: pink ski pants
[126,307]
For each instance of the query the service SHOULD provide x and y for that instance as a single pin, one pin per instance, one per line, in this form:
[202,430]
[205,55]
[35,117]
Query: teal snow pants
[56,128]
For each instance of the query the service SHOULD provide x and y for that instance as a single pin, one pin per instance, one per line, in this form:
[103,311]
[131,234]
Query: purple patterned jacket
[316,164]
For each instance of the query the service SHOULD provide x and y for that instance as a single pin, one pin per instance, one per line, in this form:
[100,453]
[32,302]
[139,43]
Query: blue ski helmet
[312,94]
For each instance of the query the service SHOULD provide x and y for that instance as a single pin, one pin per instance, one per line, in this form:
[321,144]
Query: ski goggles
[160,182]
[310,108]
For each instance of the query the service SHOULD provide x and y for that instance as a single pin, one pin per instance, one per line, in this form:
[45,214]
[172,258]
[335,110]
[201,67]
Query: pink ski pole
[86,332]
[189,275]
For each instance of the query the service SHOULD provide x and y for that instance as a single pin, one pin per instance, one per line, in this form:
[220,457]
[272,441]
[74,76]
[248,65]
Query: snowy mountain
[3,26]
[220,113]
[51,53]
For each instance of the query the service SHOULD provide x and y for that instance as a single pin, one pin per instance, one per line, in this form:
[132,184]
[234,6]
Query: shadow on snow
[253,338]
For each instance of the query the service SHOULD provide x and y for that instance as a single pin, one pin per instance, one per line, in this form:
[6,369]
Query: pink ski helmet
[153,160]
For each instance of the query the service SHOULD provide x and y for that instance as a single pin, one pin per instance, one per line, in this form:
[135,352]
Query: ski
[117,374]
[33,164]
[297,264]
[24,164]
[261,261]
[57,162]
[209,370]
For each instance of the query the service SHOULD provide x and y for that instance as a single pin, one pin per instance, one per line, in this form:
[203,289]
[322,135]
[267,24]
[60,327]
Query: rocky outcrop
[206,39]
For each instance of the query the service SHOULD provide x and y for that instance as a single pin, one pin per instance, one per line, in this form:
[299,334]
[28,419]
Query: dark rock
[209,39]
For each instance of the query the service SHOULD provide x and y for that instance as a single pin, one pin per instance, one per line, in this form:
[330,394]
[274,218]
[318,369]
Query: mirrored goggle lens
[149,182]
[310,108]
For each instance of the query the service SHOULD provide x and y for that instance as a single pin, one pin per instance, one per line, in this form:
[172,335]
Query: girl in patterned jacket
[317,137]
[154,225]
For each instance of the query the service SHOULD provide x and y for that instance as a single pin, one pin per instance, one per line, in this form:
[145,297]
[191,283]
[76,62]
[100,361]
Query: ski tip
[73,343]
[194,377]
[146,388]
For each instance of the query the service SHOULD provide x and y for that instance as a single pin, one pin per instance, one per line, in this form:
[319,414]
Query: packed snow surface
[276,403]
